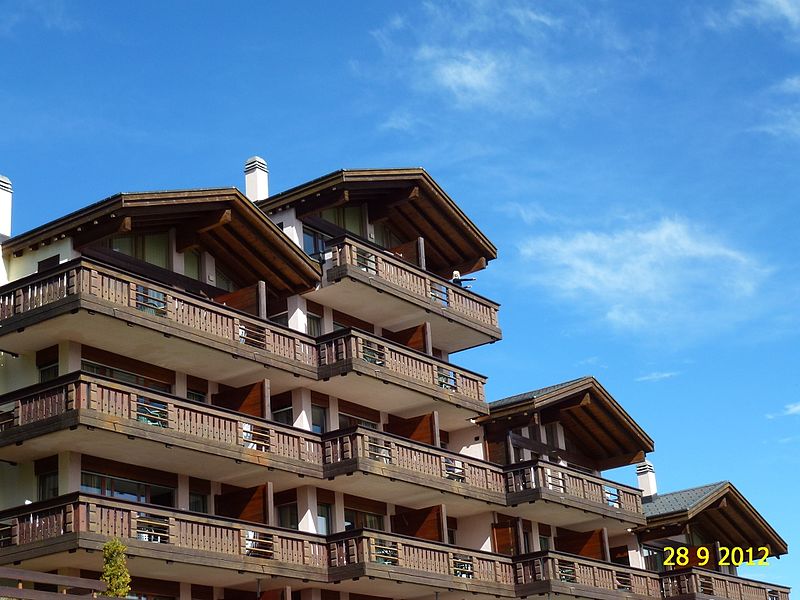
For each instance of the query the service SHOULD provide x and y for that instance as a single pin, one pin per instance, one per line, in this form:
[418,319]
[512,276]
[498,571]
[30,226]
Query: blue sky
[636,163]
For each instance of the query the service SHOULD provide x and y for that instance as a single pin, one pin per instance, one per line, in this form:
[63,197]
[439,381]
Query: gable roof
[410,200]
[717,508]
[591,417]
[221,219]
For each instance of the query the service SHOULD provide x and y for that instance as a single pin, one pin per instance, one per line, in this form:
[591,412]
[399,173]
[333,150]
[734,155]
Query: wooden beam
[188,233]
[92,232]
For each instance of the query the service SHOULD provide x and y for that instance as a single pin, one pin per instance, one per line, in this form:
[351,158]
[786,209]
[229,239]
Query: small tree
[115,569]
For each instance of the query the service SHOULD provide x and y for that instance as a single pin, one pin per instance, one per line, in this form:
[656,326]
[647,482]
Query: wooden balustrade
[389,550]
[379,355]
[578,570]
[416,458]
[156,525]
[428,288]
[718,585]
[111,285]
[162,412]
[571,482]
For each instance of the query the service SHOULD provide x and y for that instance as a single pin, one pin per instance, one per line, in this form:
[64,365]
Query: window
[287,516]
[313,325]
[48,372]
[192,264]
[544,542]
[48,486]
[281,319]
[350,218]
[319,419]
[124,376]
[198,502]
[283,415]
[324,518]
[385,237]
[356,519]
[653,558]
[223,281]
[314,242]
[451,536]
[149,247]
[127,489]
[195,396]
[346,421]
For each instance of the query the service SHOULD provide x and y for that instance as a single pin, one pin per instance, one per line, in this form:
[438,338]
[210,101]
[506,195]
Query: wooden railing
[578,570]
[571,482]
[119,288]
[718,585]
[72,588]
[416,458]
[427,287]
[392,551]
[381,355]
[162,412]
[77,513]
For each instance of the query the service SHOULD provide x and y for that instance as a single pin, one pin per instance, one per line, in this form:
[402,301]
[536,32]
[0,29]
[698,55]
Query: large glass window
[287,516]
[356,519]
[385,237]
[48,486]
[283,415]
[224,281]
[149,247]
[127,489]
[192,264]
[48,372]
[198,502]
[324,513]
[313,325]
[346,421]
[124,376]
[319,419]
[350,218]
[314,242]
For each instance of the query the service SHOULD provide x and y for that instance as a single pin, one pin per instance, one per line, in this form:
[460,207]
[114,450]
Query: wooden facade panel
[361,412]
[424,523]
[248,399]
[128,471]
[349,321]
[421,429]
[364,504]
[413,337]
[589,544]
[125,363]
[248,504]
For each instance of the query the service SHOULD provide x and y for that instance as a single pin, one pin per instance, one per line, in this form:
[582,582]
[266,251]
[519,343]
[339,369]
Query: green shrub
[115,569]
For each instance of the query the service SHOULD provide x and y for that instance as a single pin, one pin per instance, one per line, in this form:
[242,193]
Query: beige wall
[465,442]
[16,373]
[17,484]
[22,266]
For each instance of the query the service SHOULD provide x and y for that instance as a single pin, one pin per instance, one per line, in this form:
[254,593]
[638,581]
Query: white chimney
[256,178]
[5,208]
[646,475]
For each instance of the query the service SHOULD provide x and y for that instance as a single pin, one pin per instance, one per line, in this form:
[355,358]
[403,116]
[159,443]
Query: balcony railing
[571,483]
[340,349]
[162,413]
[427,288]
[145,298]
[140,525]
[428,464]
[453,566]
[718,585]
[569,569]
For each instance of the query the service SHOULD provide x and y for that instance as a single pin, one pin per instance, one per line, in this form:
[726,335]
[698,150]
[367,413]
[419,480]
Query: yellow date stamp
[702,556]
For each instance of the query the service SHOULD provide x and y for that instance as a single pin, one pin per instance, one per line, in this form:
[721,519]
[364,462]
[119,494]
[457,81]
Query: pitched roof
[533,394]
[682,500]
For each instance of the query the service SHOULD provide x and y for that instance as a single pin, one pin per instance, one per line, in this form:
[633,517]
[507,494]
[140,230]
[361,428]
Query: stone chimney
[256,178]
[6,194]
[646,475]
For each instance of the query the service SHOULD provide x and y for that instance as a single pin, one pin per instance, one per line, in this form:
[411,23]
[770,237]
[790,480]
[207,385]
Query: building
[260,396]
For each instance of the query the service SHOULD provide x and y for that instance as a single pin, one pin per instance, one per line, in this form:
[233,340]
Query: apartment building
[260,396]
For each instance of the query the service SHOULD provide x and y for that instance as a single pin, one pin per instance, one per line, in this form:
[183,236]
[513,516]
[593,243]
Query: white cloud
[780,13]
[781,116]
[530,213]
[789,410]
[658,376]
[668,275]
[471,77]
[52,14]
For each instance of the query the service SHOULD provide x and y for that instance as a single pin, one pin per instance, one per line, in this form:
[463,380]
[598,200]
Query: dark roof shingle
[663,504]
[532,395]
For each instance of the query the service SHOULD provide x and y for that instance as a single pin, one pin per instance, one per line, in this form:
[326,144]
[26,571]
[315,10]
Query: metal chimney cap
[255,162]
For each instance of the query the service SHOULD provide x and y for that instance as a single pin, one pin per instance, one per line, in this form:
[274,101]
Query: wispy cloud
[666,276]
[782,13]
[658,376]
[781,116]
[530,213]
[504,58]
[788,411]
[51,14]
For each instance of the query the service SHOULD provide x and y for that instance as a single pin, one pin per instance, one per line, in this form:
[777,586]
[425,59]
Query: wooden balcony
[204,333]
[84,521]
[53,416]
[394,558]
[72,588]
[376,361]
[572,575]
[406,461]
[357,271]
[697,583]
[554,483]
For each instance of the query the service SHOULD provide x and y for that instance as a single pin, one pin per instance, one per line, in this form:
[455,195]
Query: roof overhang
[727,516]
[410,200]
[222,220]
[591,417]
